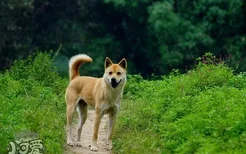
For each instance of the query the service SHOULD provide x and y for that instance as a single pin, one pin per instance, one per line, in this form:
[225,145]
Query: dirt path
[87,135]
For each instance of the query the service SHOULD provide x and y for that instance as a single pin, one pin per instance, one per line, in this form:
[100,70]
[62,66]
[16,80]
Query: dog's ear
[123,63]
[108,62]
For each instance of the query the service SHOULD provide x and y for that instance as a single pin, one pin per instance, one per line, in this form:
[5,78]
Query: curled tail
[74,64]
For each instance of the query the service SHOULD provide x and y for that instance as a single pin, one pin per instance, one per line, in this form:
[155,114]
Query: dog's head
[115,74]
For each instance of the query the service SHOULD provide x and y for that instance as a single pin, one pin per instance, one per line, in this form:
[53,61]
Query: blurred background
[155,36]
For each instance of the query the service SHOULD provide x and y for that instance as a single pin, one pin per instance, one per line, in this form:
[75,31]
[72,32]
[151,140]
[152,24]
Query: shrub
[202,111]
[32,100]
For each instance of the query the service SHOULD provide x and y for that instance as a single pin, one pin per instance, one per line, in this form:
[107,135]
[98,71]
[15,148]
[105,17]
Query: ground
[87,135]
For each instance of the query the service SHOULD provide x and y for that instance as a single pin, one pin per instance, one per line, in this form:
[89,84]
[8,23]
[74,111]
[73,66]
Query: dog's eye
[118,73]
[110,73]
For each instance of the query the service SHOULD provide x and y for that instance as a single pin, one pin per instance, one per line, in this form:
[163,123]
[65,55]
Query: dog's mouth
[114,83]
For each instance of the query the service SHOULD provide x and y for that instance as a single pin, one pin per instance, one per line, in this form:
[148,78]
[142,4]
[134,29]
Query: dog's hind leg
[82,111]
[71,105]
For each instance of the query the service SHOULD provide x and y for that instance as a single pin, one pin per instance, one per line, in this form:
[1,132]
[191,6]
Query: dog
[104,94]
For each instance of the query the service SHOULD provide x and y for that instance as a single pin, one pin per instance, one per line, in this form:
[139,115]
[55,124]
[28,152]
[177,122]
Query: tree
[154,36]
[188,29]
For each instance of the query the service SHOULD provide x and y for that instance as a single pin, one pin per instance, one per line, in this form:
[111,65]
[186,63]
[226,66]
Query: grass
[202,111]
[32,99]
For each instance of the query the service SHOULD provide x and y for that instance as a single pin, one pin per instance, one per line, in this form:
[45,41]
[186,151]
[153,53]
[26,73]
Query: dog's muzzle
[114,83]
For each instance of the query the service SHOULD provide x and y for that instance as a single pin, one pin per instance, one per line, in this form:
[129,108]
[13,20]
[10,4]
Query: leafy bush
[202,111]
[32,100]
[38,67]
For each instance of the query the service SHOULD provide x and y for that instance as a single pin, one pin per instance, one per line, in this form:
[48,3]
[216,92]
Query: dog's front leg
[98,117]
[111,124]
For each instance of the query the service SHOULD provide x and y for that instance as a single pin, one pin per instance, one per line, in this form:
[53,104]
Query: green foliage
[38,67]
[188,29]
[202,111]
[32,100]
[154,36]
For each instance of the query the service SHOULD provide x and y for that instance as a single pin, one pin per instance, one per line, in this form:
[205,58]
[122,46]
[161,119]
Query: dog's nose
[113,80]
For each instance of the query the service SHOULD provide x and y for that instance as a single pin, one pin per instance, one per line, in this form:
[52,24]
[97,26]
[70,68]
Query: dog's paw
[93,148]
[110,145]
[70,143]
[78,144]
